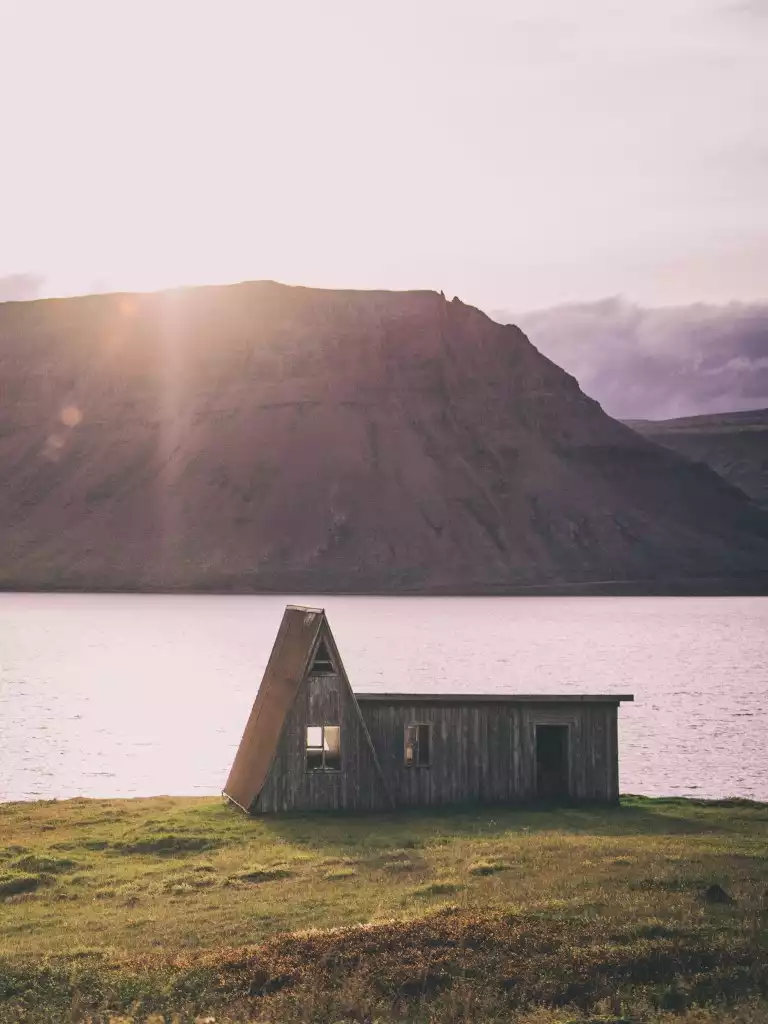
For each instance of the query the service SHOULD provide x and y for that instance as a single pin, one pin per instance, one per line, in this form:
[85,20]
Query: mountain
[734,444]
[265,437]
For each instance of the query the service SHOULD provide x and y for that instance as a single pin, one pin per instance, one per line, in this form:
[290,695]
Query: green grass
[184,905]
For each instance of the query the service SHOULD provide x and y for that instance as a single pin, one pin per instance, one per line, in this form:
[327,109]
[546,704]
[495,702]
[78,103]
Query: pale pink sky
[515,152]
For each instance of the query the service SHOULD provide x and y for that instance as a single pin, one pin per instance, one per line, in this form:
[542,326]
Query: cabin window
[322,665]
[323,748]
[418,745]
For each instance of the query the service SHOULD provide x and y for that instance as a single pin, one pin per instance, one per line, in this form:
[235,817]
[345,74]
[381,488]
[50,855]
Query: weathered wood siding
[486,753]
[323,700]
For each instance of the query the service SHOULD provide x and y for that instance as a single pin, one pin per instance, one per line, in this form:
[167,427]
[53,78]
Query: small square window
[418,745]
[323,748]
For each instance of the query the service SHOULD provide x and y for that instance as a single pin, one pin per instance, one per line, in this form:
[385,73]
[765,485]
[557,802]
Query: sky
[517,153]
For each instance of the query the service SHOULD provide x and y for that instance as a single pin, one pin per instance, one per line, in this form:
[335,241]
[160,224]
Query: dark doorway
[552,762]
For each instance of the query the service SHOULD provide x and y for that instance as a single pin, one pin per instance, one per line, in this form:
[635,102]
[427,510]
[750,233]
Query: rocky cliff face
[265,437]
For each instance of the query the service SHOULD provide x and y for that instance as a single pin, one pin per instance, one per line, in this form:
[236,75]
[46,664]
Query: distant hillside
[261,437]
[734,444]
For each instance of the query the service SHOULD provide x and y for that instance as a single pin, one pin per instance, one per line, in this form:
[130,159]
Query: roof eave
[495,698]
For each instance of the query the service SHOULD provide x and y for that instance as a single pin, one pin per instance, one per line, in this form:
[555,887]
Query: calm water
[137,695]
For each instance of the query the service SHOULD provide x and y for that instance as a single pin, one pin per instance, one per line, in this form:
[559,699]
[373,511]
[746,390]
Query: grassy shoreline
[184,905]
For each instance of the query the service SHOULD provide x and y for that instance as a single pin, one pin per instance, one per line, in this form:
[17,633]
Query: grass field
[185,906]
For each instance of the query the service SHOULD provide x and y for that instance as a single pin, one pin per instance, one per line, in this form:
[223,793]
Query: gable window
[418,745]
[323,748]
[322,665]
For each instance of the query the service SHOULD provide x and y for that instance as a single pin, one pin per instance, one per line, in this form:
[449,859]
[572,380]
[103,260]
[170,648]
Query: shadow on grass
[635,816]
[520,960]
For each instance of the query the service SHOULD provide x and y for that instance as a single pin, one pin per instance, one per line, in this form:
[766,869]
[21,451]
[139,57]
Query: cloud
[751,8]
[18,287]
[655,363]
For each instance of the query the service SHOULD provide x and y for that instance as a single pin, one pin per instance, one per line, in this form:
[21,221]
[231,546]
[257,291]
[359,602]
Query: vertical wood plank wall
[486,753]
[322,700]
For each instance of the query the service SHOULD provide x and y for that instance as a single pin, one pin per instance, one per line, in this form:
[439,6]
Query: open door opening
[552,762]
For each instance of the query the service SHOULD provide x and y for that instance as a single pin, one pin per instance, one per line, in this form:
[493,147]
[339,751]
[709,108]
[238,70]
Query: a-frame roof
[283,675]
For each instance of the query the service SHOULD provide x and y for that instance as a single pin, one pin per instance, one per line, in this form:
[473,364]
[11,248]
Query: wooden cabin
[312,743]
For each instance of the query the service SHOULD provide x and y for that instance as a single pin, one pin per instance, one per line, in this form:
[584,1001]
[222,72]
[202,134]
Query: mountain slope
[264,437]
[734,444]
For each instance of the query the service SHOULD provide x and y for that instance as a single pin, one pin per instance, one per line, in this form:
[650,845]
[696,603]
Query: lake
[135,695]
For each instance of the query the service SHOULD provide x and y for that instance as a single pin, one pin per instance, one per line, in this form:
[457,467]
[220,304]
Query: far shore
[739,586]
